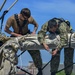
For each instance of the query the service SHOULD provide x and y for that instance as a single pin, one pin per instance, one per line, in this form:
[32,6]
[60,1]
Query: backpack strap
[60,20]
[18,23]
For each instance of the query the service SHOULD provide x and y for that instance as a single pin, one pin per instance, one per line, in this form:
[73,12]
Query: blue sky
[42,11]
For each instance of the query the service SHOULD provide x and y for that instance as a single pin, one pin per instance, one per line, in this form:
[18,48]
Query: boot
[39,71]
[53,73]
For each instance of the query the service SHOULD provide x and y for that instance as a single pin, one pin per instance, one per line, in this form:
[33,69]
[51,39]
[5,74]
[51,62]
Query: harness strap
[18,23]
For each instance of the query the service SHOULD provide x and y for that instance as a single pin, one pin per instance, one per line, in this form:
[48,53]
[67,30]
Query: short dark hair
[52,23]
[26,12]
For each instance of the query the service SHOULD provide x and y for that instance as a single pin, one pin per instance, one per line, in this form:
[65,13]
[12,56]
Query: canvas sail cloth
[30,42]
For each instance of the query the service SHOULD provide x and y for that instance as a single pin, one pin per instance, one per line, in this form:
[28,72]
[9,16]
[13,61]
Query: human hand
[54,52]
[33,33]
[18,35]
[46,46]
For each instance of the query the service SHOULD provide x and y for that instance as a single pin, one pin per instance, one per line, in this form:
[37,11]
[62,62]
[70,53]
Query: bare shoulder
[31,19]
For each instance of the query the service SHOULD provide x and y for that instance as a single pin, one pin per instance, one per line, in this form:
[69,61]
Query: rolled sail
[30,42]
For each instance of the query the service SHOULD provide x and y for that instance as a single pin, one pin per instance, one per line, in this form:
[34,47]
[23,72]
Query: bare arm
[32,21]
[41,36]
[9,24]
[10,32]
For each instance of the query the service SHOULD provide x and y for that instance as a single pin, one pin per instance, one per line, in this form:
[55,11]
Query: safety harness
[18,23]
[60,20]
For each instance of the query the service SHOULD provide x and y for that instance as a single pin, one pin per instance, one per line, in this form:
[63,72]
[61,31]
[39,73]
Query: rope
[23,70]
[12,5]
[4,13]
[65,68]
[21,53]
[2,5]
[49,62]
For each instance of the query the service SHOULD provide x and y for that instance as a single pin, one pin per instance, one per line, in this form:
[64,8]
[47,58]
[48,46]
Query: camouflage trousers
[68,60]
[36,56]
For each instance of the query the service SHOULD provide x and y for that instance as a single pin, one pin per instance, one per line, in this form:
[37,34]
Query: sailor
[19,23]
[57,27]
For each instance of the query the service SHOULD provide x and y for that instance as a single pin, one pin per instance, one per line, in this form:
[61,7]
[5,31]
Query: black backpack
[62,20]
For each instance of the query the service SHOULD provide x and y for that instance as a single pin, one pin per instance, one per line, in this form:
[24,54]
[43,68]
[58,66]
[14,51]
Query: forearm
[63,35]
[7,31]
[42,33]
[41,37]
[63,41]
[35,29]
[35,25]
[15,34]
[11,33]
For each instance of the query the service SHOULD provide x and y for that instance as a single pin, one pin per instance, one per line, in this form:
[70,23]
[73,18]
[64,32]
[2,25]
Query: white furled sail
[30,42]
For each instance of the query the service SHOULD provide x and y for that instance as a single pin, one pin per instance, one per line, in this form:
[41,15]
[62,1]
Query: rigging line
[2,17]
[48,62]
[54,56]
[21,53]
[19,67]
[24,70]
[12,5]
[65,67]
[3,5]
[59,70]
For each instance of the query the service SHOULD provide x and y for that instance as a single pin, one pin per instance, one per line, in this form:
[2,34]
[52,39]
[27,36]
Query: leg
[55,63]
[68,60]
[1,59]
[36,56]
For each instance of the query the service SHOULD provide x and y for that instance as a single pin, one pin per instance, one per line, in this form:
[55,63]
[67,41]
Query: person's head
[25,12]
[52,25]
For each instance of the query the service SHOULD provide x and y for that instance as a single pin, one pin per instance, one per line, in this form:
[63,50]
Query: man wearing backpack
[57,27]
[19,23]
